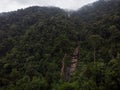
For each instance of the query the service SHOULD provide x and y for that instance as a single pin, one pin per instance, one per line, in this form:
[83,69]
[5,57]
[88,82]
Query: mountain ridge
[39,44]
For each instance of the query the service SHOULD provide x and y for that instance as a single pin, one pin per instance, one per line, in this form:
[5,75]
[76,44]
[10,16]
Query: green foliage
[112,74]
[33,42]
[95,40]
[68,86]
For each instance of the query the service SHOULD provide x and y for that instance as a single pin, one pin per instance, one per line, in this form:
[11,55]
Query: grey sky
[10,5]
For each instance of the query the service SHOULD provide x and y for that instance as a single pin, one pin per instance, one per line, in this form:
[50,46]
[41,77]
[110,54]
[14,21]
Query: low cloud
[9,5]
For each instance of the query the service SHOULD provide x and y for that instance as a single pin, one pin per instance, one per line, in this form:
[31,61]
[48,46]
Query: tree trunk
[94,55]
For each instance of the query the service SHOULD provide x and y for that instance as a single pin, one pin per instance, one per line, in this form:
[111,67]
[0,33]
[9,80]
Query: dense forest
[48,48]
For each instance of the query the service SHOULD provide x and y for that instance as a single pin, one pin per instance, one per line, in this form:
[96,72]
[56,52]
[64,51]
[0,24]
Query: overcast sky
[10,5]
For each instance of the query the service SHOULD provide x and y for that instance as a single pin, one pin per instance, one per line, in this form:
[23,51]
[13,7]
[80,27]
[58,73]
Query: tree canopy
[34,41]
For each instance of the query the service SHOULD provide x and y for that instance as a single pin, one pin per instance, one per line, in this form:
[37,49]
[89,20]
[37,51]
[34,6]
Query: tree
[95,41]
[112,74]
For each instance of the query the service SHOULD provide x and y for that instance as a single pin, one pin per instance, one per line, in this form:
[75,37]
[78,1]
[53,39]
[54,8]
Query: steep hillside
[47,48]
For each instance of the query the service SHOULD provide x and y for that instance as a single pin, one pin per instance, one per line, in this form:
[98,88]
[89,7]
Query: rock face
[73,63]
[74,60]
